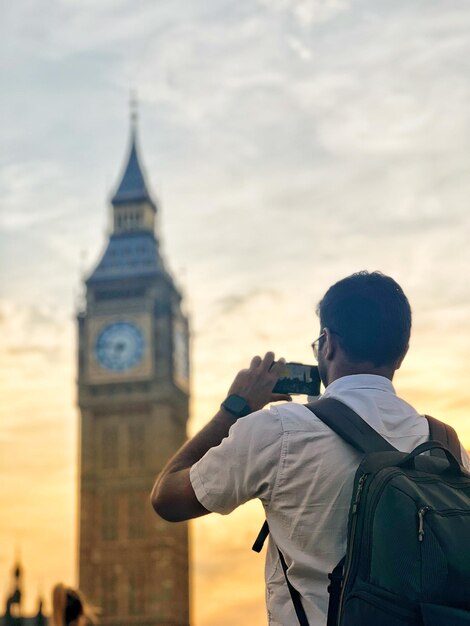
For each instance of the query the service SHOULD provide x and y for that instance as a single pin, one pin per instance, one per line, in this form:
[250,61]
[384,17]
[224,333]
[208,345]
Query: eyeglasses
[316,345]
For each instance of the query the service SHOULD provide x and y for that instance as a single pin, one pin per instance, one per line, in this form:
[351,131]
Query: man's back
[303,474]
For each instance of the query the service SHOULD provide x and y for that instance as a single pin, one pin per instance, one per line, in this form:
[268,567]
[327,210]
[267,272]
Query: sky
[289,143]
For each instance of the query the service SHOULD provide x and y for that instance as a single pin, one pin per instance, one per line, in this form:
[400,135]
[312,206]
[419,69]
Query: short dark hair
[371,316]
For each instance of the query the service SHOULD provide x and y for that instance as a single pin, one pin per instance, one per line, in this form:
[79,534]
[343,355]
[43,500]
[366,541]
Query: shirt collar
[360,381]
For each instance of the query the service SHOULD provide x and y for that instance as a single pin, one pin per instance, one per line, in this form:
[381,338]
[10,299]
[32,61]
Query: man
[298,467]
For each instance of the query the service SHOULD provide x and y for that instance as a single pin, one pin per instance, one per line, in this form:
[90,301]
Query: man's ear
[400,360]
[330,344]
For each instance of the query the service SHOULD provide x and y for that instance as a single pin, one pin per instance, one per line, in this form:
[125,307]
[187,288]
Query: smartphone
[299,379]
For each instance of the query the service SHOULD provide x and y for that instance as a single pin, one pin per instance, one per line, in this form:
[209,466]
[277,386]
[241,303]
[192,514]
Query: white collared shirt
[303,474]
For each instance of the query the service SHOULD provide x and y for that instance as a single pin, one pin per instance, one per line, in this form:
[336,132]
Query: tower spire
[134,110]
[132,188]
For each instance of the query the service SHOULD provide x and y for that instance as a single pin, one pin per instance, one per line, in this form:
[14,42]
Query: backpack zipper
[421,513]
[354,509]
[360,487]
[444,513]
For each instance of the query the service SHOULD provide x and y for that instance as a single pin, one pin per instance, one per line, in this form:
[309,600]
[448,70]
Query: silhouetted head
[69,608]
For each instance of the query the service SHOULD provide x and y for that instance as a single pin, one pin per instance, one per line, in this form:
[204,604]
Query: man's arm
[173,496]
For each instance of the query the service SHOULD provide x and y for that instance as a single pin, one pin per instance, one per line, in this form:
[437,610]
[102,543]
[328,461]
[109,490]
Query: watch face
[236,405]
[119,346]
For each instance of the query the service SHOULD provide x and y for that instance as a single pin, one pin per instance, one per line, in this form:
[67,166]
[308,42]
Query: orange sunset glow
[289,143]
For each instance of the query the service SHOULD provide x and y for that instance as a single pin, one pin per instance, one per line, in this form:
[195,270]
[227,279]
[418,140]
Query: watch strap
[236,406]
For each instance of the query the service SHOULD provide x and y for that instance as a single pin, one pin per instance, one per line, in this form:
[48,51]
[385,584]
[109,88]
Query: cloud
[31,329]
[230,304]
[461,403]
[31,350]
[295,144]
[308,12]
[229,576]
[24,187]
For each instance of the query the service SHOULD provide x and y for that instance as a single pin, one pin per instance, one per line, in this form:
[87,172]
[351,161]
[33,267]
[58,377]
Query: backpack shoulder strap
[349,425]
[445,434]
[294,594]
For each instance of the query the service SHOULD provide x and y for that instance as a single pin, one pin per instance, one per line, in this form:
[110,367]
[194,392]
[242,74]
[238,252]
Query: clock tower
[133,392]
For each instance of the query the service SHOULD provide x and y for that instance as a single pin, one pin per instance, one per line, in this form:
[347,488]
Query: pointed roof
[132,187]
[129,255]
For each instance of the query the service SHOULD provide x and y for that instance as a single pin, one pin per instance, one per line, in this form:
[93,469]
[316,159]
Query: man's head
[365,320]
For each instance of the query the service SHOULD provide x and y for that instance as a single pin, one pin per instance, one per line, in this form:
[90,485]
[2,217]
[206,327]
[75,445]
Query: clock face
[119,346]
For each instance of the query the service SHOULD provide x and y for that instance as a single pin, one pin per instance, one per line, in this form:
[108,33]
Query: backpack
[407,561]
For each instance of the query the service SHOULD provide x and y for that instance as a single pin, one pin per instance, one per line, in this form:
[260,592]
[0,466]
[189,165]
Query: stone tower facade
[133,393]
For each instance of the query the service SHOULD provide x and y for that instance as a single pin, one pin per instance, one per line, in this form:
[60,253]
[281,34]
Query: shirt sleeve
[244,466]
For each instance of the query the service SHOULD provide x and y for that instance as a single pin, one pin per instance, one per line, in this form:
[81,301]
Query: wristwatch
[236,406]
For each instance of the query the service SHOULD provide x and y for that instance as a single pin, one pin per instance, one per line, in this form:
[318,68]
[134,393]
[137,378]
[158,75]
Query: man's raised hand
[256,383]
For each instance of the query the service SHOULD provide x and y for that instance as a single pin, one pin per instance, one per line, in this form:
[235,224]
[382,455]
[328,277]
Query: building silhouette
[133,393]
[14,615]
